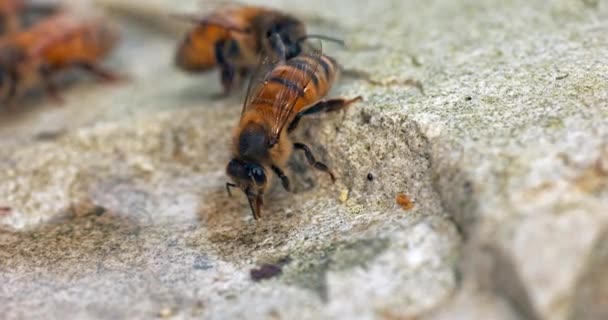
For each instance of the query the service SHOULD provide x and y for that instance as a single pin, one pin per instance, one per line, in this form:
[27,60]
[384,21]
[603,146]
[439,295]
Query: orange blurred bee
[9,15]
[60,42]
[261,146]
[232,38]
[14,14]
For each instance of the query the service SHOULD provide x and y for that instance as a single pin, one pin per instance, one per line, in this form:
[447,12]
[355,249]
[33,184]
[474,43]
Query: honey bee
[275,103]
[15,14]
[57,43]
[233,37]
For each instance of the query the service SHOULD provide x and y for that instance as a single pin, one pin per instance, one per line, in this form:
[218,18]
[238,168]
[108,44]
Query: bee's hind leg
[323,106]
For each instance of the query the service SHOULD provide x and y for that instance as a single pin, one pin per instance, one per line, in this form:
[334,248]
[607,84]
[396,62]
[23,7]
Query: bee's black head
[246,174]
[251,178]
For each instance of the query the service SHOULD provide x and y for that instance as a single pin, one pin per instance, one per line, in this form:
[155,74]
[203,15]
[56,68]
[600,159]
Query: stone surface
[117,200]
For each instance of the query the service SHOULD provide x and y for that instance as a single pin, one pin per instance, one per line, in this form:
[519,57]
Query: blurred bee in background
[10,11]
[232,39]
[279,95]
[60,42]
[16,14]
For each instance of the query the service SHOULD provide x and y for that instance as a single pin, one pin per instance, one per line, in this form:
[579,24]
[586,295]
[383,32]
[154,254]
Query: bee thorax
[253,142]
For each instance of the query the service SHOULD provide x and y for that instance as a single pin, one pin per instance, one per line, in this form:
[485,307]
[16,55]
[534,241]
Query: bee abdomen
[291,85]
[304,65]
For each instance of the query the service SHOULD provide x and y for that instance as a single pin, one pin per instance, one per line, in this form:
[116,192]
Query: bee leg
[277,44]
[46,73]
[283,177]
[312,161]
[228,186]
[12,86]
[227,70]
[323,106]
[103,74]
[227,76]
[240,76]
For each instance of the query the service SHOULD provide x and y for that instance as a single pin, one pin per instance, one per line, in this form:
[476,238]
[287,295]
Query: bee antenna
[322,37]
[228,186]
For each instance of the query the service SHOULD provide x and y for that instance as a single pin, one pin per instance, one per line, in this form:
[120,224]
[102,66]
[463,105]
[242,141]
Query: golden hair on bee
[285,92]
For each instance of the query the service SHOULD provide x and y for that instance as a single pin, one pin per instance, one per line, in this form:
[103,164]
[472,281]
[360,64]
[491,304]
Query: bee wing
[291,93]
[259,79]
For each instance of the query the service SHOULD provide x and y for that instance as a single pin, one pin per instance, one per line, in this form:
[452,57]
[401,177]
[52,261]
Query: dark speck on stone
[468,98]
[99,210]
[265,271]
[370,177]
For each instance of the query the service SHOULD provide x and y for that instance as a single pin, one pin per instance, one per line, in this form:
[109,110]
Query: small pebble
[165,312]
[404,202]
[265,271]
[344,195]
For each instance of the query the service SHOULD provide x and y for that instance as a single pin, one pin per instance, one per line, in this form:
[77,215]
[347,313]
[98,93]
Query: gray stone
[490,116]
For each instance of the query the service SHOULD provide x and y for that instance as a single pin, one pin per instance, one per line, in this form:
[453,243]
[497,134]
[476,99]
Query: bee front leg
[47,77]
[312,161]
[13,82]
[283,177]
[228,72]
[228,77]
[323,106]
[277,45]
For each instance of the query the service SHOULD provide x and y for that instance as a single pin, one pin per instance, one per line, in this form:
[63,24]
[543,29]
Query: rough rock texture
[116,205]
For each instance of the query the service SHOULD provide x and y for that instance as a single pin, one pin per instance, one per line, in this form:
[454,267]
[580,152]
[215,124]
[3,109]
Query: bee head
[251,178]
[285,33]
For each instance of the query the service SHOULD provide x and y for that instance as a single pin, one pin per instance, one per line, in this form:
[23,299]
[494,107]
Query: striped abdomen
[63,40]
[306,76]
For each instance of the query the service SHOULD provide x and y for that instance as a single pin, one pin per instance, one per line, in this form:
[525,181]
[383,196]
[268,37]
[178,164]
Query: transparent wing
[259,79]
[297,78]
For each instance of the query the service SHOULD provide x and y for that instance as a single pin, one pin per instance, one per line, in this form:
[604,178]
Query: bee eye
[258,175]
[234,168]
